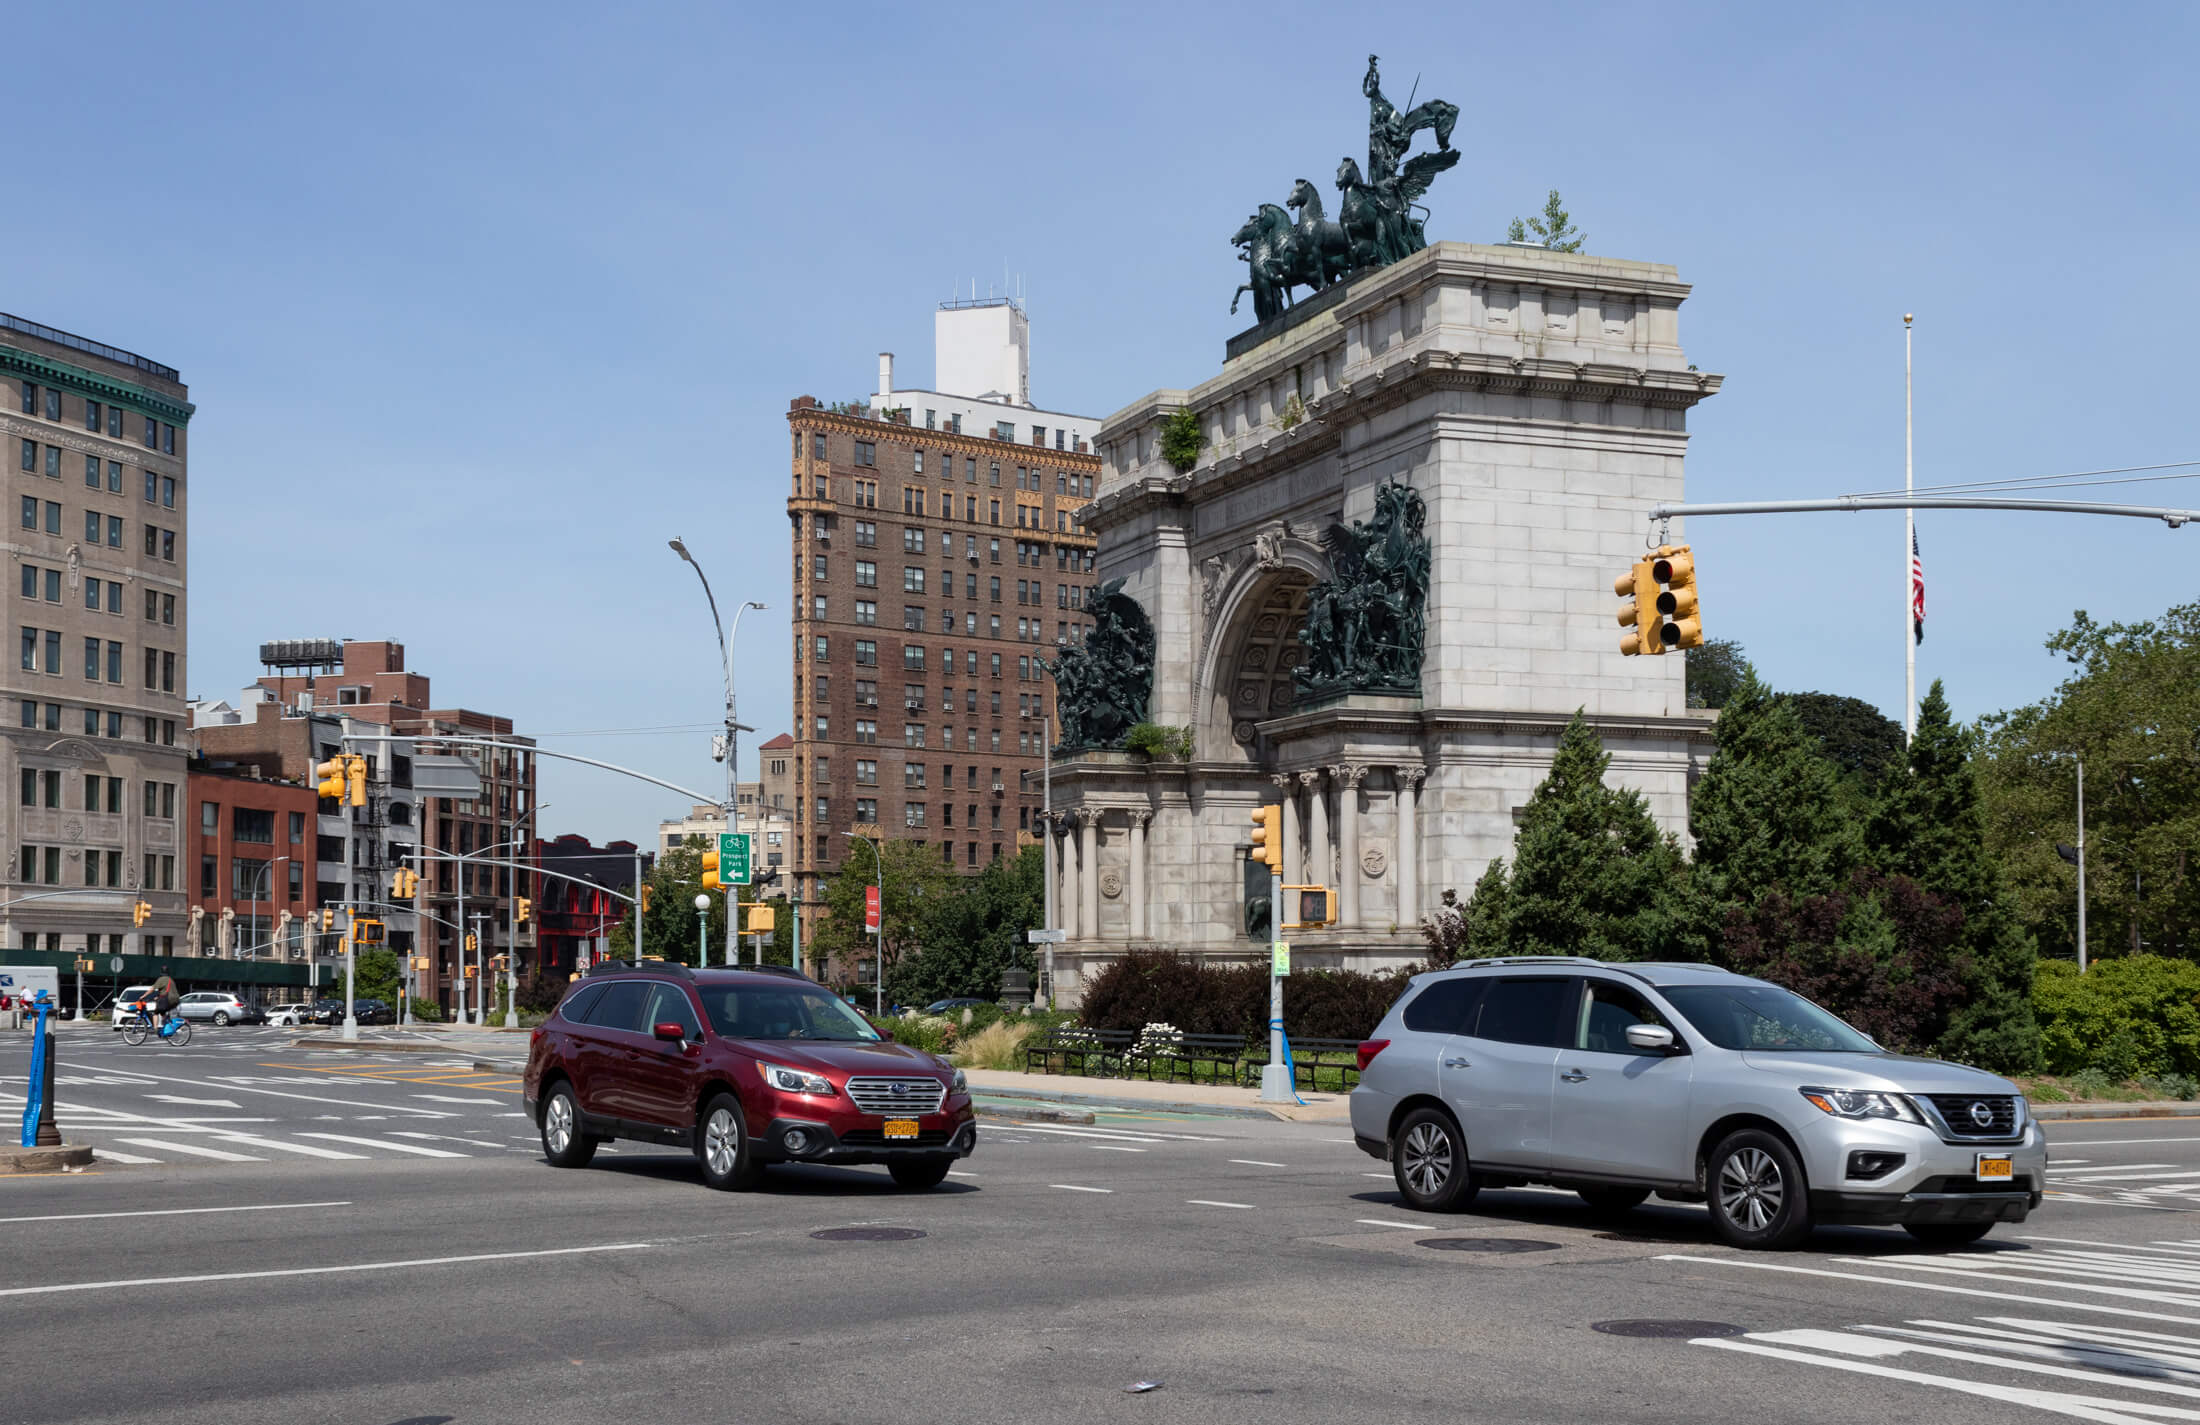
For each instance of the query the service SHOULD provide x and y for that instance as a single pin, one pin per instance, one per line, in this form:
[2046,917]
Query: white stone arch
[1251,644]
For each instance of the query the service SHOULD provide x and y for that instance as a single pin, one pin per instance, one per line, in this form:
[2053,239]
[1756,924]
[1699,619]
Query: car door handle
[1573,1076]
[1457,1064]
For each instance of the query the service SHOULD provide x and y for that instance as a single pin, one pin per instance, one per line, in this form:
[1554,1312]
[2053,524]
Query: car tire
[221,1018]
[563,1143]
[1428,1158]
[1759,1198]
[1611,1202]
[1947,1234]
[919,1173]
[722,1146]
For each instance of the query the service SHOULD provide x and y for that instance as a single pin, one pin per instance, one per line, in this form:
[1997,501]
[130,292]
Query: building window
[866,611]
[866,773]
[866,452]
[817,447]
[866,653]
[821,649]
[167,489]
[912,657]
[817,607]
[866,730]
[817,566]
[866,574]
[912,734]
[912,579]
[866,810]
[866,533]
[866,693]
[912,541]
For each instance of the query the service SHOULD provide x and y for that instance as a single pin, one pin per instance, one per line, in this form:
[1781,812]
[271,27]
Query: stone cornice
[1592,381]
[50,372]
[1528,267]
[1695,726]
[962,443]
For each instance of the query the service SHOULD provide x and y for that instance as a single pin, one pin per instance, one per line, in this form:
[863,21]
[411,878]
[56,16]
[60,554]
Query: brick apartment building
[575,916]
[95,440]
[937,559]
[253,853]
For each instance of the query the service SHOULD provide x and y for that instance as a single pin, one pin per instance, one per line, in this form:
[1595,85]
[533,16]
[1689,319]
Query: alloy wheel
[557,1123]
[1426,1160]
[1751,1190]
[721,1141]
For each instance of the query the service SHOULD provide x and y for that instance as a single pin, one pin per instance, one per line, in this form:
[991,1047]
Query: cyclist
[160,1001]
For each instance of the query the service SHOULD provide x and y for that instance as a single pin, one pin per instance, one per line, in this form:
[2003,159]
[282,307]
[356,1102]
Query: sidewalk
[1223,1100]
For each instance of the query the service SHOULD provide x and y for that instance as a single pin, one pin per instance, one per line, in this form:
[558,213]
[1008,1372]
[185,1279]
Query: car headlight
[794,1080]
[1862,1103]
[958,1084]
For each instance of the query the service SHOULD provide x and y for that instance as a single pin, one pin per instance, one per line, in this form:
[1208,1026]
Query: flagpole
[1909,550]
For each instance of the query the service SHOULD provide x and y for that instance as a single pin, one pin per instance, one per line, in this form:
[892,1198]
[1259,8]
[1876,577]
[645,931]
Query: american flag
[1917,591]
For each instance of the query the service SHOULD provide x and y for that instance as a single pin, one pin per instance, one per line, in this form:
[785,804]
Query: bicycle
[176,1031]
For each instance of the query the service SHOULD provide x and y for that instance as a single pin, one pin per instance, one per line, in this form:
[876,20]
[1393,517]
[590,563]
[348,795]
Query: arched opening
[1252,681]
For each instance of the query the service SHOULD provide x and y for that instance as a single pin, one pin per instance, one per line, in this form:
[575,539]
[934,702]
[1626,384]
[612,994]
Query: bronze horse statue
[1323,251]
[1269,240]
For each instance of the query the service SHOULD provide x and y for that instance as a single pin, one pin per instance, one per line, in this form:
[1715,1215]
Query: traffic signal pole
[1275,1075]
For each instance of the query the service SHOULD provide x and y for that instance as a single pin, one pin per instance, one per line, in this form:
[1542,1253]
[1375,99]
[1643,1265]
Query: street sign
[870,909]
[733,857]
[114,964]
[1282,952]
[1046,937]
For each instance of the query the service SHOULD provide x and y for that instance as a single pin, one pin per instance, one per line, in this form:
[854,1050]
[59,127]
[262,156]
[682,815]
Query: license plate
[1996,1166]
[907,1128]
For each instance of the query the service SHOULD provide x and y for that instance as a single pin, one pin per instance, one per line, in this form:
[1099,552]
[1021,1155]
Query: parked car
[1620,1080]
[127,1003]
[368,1011]
[325,1011]
[291,1015]
[218,1007]
[954,1006]
[743,1069]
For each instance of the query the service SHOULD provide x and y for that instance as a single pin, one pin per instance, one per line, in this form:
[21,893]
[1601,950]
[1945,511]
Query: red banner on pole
[870,910]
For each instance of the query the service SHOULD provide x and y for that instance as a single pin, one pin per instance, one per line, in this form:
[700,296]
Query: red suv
[743,1068]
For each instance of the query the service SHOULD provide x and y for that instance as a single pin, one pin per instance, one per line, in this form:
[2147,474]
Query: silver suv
[1620,1080]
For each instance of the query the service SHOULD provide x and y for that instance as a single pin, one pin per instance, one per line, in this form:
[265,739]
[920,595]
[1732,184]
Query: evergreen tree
[1488,913]
[1769,811]
[1928,826]
[1591,875]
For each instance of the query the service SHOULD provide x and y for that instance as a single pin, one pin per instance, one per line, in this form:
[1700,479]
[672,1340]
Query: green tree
[1716,670]
[971,935]
[1928,826]
[916,880]
[1769,811]
[2131,712]
[669,930]
[1852,734]
[375,975]
[1591,874]
[1553,227]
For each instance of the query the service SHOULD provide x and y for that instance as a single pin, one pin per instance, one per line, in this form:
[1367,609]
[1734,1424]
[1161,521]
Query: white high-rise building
[981,363]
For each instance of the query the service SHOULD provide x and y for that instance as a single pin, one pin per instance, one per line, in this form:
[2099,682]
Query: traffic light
[420,962]
[1678,626]
[355,773]
[140,912]
[521,908]
[366,932]
[496,963]
[328,917]
[469,972]
[710,871]
[471,945]
[331,774]
[1268,837]
[645,899]
[762,919]
[1639,586]
[404,883]
[1314,904]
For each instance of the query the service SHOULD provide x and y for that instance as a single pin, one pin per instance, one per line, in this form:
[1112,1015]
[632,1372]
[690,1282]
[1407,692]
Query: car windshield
[783,1012]
[1764,1018]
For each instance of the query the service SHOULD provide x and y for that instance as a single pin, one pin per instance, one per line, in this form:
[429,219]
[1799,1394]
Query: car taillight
[1369,1048]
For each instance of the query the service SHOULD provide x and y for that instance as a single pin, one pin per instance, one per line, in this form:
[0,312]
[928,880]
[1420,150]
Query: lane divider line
[1209,1202]
[175,1211]
[1072,1187]
[58,1287]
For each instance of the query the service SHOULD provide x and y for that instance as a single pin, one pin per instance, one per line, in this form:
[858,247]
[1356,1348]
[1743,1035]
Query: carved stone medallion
[1111,883]
[1374,862]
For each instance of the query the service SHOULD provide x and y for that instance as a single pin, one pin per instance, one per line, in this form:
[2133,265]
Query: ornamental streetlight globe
[702,902]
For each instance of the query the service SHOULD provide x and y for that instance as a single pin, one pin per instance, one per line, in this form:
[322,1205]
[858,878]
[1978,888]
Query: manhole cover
[867,1234]
[1666,1329]
[1488,1244]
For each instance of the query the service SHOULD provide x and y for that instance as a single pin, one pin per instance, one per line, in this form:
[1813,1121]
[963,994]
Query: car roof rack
[1526,960]
[619,967]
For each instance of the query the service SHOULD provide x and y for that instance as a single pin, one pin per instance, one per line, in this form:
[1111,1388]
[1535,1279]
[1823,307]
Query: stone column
[1088,873]
[1319,861]
[1065,901]
[1409,845]
[1288,781]
[1136,890]
[1348,779]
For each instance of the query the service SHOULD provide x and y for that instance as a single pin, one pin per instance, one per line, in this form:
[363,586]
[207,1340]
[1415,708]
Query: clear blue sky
[513,294]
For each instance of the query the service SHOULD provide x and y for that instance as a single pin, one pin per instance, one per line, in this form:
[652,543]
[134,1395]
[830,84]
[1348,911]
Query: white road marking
[175,1211]
[109,1155]
[1112,1148]
[310,1098]
[193,1149]
[1935,1286]
[1257,1163]
[278,1145]
[2121,1142]
[2061,1167]
[1072,1187]
[1386,1177]
[385,1143]
[1209,1202]
[1378,1222]
[447,1138]
[318,1271]
[959,1173]
[2100,1177]
[201,1102]
[445,1098]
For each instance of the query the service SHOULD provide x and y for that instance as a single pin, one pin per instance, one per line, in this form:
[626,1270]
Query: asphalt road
[1258,1271]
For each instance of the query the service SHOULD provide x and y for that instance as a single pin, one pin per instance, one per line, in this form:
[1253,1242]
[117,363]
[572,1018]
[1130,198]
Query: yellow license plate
[907,1128]
[1996,1167]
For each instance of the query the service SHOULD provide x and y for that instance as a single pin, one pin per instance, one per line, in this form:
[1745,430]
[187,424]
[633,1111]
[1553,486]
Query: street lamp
[269,868]
[733,725]
[702,927]
[878,953]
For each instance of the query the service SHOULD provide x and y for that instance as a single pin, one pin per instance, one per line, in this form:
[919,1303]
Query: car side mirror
[1654,1038]
[670,1031]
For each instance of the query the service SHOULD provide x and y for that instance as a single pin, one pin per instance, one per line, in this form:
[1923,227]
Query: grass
[994,1047]
[2092,1086]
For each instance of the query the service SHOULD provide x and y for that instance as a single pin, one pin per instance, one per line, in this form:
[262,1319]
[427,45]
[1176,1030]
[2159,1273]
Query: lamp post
[269,868]
[702,928]
[878,952]
[733,725]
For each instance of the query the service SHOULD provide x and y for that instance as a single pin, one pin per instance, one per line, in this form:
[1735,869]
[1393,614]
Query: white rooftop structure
[981,362]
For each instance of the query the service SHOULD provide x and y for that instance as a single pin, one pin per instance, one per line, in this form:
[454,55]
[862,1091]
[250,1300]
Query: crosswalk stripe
[113,1157]
[193,1149]
[278,1145]
[393,1147]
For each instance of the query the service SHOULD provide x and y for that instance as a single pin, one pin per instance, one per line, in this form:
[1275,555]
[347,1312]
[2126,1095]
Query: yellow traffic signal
[140,912]
[366,932]
[496,963]
[1315,906]
[420,962]
[404,883]
[328,917]
[762,919]
[355,773]
[1639,586]
[471,946]
[1678,625]
[331,775]
[645,900]
[710,871]
[1268,837]
[469,972]
[521,909]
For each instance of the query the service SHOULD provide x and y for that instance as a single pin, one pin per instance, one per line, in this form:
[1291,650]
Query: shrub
[1162,987]
[1159,741]
[2177,1086]
[933,1033]
[2092,1083]
[1181,440]
[997,1046]
[2127,1018]
[427,1011]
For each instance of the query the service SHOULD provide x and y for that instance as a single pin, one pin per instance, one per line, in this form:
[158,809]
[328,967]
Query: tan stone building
[95,441]
[937,560]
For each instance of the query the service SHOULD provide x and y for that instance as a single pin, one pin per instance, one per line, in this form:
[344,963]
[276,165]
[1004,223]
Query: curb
[2048,1112]
[45,1160]
[1211,1110]
[1035,1113]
